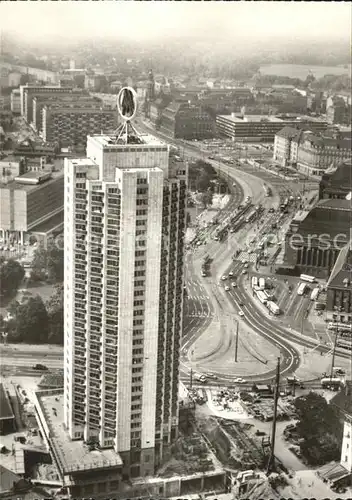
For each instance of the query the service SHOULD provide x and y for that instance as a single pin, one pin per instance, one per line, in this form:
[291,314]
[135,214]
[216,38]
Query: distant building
[338,111]
[339,288]
[315,238]
[16,101]
[187,121]
[285,152]
[69,125]
[32,203]
[337,183]
[39,101]
[28,91]
[259,128]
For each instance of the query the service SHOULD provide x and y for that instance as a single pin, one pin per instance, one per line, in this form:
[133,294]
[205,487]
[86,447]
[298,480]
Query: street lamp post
[236,345]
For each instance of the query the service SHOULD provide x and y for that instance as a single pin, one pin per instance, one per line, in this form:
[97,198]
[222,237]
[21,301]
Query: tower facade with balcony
[125,220]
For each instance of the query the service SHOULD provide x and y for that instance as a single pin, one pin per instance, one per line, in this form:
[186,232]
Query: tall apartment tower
[125,220]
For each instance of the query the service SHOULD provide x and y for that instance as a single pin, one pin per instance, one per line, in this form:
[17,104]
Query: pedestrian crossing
[206,314]
[247,257]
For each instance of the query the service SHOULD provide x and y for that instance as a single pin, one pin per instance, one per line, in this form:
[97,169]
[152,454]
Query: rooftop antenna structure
[127,109]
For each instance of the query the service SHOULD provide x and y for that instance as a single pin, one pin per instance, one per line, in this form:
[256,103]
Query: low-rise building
[35,149]
[32,203]
[315,238]
[260,128]
[339,288]
[337,182]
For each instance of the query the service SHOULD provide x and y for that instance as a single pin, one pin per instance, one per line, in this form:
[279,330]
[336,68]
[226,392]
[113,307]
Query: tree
[11,276]
[55,309]
[48,263]
[320,428]
[31,322]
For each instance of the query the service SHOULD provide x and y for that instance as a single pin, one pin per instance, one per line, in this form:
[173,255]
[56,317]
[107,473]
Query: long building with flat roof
[261,128]
[30,200]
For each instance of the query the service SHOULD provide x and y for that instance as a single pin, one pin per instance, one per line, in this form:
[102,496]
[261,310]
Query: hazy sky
[159,19]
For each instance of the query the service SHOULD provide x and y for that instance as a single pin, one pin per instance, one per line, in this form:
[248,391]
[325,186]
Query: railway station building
[339,288]
[315,238]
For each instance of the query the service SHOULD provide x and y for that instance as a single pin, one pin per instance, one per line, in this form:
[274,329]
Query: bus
[261,297]
[254,281]
[314,294]
[273,308]
[344,327]
[344,344]
[251,216]
[331,382]
[306,277]
[301,289]
[261,283]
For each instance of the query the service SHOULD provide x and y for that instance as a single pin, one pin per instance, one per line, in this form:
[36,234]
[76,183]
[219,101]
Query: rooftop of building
[328,216]
[74,456]
[271,118]
[289,133]
[341,175]
[320,140]
[7,479]
[13,184]
[5,407]
[110,141]
[341,274]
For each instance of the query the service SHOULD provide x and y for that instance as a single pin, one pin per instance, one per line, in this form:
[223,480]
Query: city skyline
[152,20]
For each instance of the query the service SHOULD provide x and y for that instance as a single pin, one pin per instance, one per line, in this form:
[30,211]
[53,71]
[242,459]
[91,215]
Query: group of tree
[202,176]
[320,428]
[11,276]
[48,263]
[35,322]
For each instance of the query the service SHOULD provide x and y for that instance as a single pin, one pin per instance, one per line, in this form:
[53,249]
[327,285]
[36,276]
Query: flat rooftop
[110,141]
[74,456]
[14,185]
[271,119]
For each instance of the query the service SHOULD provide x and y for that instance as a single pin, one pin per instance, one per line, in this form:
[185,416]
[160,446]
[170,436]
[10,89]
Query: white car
[227,288]
[234,284]
[244,271]
[240,380]
[241,313]
[246,265]
[231,274]
[224,277]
